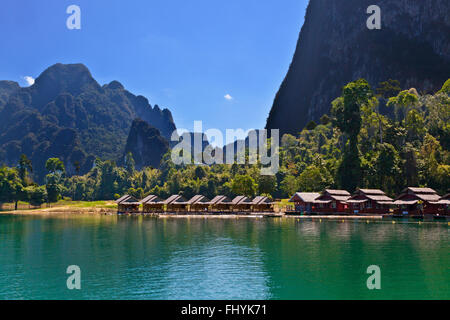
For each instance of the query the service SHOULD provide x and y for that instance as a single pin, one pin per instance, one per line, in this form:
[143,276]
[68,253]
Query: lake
[124,257]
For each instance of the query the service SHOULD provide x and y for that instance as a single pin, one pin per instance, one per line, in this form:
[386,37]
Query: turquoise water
[149,258]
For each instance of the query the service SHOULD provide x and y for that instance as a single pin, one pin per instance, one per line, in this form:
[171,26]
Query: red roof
[424,194]
[337,192]
[307,197]
[372,191]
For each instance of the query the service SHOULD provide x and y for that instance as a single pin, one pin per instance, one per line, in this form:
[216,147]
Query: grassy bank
[61,206]
[68,206]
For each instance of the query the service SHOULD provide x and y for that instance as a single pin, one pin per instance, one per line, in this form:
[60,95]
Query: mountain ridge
[67,104]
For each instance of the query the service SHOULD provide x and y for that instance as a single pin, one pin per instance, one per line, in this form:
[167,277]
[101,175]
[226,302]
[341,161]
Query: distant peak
[115,85]
[61,69]
[71,78]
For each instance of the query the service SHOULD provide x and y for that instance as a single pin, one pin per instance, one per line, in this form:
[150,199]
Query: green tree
[36,195]
[442,178]
[200,172]
[415,125]
[225,189]
[53,187]
[347,113]
[387,165]
[267,184]
[55,165]
[145,179]
[325,119]
[244,185]
[349,170]
[410,166]
[212,188]
[389,88]
[53,180]
[445,87]
[402,103]
[130,163]
[347,109]
[314,179]
[11,189]
[289,185]
[25,167]
[175,180]
[111,179]
[311,125]
[137,193]
[435,165]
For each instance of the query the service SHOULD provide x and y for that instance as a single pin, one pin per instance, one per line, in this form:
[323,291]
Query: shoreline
[65,212]
[108,211]
[91,209]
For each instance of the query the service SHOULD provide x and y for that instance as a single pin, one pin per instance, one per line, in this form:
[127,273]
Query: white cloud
[29,80]
[228,97]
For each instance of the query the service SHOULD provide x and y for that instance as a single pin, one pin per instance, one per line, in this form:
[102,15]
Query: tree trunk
[15,205]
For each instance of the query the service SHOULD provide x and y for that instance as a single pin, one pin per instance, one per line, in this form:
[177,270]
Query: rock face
[67,114]
[146,144]
[7,88]
[336,47]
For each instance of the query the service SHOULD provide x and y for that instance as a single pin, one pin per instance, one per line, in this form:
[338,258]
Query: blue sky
[221,62]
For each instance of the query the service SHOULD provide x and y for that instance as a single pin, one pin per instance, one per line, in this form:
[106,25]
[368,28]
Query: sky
[219,62]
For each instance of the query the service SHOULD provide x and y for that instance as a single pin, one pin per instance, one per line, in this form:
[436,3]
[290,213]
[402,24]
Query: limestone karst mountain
[336,47]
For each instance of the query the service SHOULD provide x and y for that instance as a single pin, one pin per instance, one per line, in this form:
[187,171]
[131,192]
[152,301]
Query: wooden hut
[332,201]
[198,203]
[220,204]
[241,204]
[127,204]
[118,201]
[304,201]
[152,204]
[418,201]
[369,201]
[262,204]
[175,203]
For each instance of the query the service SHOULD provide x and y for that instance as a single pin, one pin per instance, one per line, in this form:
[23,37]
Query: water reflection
[148,258]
